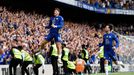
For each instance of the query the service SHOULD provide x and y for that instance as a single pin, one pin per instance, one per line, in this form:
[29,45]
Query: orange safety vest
[80,65]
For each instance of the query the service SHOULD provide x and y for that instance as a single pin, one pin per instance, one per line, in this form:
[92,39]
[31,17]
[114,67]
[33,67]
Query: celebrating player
[55,24]
[109,49]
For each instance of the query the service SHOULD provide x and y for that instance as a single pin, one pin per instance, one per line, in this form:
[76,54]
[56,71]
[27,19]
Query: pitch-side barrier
[4,69]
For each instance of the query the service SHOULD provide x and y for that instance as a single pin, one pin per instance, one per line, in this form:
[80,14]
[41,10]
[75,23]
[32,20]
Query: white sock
[119,62]
[106,69]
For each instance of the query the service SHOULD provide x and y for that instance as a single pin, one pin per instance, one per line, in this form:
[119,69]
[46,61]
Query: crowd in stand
[125,29]
[126,49]
[28,29]
[117,4]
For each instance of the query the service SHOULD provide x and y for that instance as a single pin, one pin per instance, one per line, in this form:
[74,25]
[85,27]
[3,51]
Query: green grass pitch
[117,73]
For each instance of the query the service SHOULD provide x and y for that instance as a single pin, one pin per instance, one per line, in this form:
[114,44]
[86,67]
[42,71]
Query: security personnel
[70,67]
[101,56]
[27,59]
[85,57]
[16,59]
[64,57]
[54,58]
[38,62]
[85,54]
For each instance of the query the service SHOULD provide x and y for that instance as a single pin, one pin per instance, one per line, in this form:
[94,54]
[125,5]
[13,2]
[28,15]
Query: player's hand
[114,48]
[54,26]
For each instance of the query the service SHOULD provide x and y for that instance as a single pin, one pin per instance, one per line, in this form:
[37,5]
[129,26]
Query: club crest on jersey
[56,18]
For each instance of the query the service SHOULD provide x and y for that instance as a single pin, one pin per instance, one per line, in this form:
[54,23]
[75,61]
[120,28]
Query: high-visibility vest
[17,53]
[27,56]
[80,65]
[54,52]
[65,57]
[38,59]
[71,65]
[86,56]
[101,54]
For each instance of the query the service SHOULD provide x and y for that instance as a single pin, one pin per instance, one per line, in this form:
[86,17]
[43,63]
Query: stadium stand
[117,4]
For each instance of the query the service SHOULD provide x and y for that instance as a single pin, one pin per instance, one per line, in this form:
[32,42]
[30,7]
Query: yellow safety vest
[38,59]
[54,52]
[27,56]
[17,53]
[101,54]
[70,65]
[65,57]
[86,56]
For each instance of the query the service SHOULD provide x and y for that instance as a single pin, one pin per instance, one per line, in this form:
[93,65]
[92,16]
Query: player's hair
[58,9]
[110,26]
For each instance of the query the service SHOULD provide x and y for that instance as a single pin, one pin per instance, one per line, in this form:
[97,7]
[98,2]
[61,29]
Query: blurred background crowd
[28,29]
[124,29]
[118,4]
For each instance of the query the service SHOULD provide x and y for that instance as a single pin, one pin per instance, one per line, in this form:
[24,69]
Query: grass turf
[117,73]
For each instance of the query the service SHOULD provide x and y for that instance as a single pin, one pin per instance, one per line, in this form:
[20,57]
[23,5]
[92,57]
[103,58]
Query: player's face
[56,13]
[107,29]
